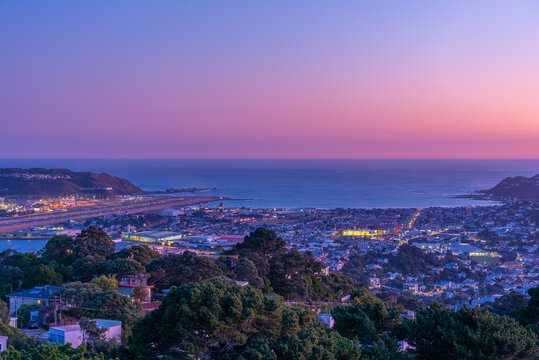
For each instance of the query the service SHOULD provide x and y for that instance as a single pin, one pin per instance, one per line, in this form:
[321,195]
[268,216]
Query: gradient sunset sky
[269,79]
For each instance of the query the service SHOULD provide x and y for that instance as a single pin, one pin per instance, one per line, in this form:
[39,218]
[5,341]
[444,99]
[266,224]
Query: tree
[123,267]
[17,338]
[106,283]
[366,322]
[24,312]
[206,318]
[141,253]
[508,303]
[93,241]
[140,294]
[245,269]
[182,269]
[47,352]
[291,274]
[529,314]
[4,313]
[12,275]
[75,295]
[316,342]
[41,274]
[115,306]
[90,330]
[439,333]
[385,348]
[59,248]
[85,268]
[263,241]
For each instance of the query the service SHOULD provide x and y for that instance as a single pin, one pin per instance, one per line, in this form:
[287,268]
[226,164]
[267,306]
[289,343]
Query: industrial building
[155,237]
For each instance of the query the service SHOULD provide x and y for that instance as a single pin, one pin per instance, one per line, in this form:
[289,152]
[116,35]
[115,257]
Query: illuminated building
[363,232]
[413,288]
[161,237]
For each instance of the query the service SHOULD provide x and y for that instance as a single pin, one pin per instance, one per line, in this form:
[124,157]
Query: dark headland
[53,182]
[510,189]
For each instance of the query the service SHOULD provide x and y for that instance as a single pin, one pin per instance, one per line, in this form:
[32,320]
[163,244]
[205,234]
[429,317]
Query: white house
[75,335]
[3,343]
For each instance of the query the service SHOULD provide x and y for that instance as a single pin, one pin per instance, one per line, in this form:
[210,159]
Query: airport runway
[121,207]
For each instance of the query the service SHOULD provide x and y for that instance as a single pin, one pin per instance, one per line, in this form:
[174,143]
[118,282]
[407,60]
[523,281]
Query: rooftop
[38,292]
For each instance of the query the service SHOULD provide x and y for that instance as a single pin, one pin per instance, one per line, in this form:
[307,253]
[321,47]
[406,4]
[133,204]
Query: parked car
[33,324]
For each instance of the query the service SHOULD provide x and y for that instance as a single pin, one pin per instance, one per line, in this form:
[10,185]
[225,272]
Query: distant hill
[515,188]
[37,181]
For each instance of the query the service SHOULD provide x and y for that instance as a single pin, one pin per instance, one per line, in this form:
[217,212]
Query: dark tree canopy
[508,303]
[59,248]
[123,267]
[205,318]
[141,253]
[181,269]
[529,314]
[93,241]
[366,321]
[439,333]
[263,241]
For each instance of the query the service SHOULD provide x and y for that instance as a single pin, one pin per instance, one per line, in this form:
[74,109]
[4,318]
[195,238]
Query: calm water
[311,183]
[34,245]
[26,245]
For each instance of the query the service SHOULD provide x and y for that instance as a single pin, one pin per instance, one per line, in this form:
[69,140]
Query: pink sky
[350,81]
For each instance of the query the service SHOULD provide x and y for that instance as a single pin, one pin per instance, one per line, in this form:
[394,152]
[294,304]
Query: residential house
[40,295]
[74,335]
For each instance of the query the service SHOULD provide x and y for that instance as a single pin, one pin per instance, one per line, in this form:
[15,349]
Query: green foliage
[529,314]
[182,269]
[366,321]
[439,333]
[411,260]
[88,300]
[354,268]
[12,275]
[140,253]
[85,268]
[115,306]
[48,352]
[291,274]
[59,248]
[17,338]
[93,241]
[92,332]
[508,303]
[23,313]
[140,293]
[38,275]
[106,283]
[263,241]
[205,318]
[123,267]
[76,295]
[4,313]
[316,342]
[385,348]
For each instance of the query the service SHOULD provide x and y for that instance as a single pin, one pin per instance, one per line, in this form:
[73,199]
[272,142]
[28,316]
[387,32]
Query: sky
[269,79]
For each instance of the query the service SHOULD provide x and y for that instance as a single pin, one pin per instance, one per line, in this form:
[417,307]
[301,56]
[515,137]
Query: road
[120,207]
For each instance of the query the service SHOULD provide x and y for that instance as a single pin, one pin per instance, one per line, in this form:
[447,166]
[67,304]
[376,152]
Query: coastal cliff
[38,181]
[518,188]
[511,189]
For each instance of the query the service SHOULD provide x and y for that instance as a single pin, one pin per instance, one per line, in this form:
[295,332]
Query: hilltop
[518,187]
[510,188]
[39,181]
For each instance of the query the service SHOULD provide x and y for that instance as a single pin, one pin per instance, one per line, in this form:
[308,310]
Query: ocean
[331,183]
